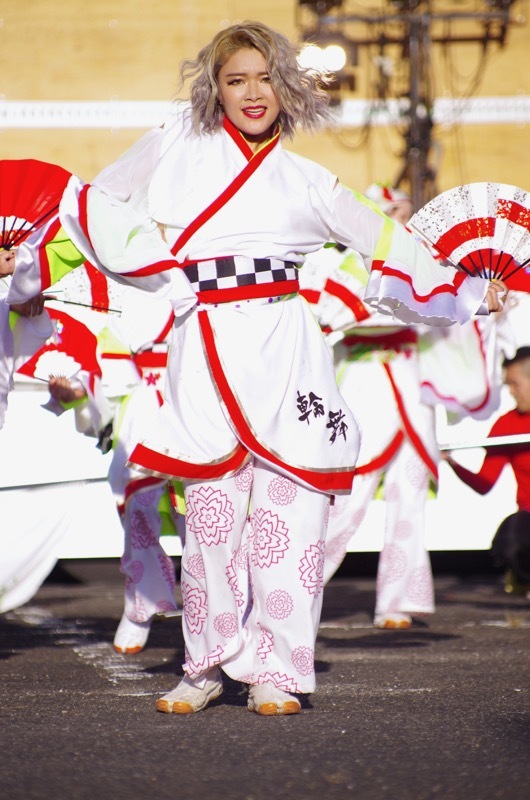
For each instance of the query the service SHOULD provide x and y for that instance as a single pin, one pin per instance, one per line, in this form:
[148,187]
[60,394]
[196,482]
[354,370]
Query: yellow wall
[130,50]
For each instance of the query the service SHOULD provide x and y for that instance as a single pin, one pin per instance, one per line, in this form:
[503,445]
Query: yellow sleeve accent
[63,256]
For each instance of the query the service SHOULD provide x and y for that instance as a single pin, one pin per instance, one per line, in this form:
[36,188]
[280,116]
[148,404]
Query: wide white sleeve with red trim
[42,259]
[461,367]
[124,245]
[405,280]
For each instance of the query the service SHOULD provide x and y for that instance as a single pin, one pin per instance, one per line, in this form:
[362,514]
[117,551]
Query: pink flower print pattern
[231,575]
[136,573]
[416,472]
[226,625]
[303,659]
[327,512]
[248,678]
[242,556]
[270,538]
[243,478]
[142,536]
[266,643]
[195,566]
[209,515]
[146,498]
[392,493]
[195,668]
[139,613]
[420,589]
[281,490]
[404,529]
[195,607]
[392,565]
[311,568]
[164,605]
[336,549]
[279,604]
[166,568]
[280,680]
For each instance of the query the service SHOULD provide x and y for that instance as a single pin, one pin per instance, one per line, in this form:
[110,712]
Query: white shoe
[131,637]
[393,621]
[188,698]
[267,700]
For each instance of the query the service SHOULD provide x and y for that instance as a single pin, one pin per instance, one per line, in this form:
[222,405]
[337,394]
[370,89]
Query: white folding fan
[481,228]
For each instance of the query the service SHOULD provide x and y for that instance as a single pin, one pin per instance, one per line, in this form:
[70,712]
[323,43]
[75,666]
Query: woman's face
[246,94]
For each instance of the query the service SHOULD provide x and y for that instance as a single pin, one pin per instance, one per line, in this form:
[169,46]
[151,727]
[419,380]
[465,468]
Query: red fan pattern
[30,193]
[481,228]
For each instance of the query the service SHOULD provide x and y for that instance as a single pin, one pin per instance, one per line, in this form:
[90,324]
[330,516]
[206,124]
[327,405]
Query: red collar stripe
[247,171]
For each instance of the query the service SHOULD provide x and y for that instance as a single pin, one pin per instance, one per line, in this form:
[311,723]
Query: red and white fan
[72,347]
[482,229]
[30,193]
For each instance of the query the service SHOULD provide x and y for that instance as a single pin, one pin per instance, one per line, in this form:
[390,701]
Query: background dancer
[114,405]
[380,371]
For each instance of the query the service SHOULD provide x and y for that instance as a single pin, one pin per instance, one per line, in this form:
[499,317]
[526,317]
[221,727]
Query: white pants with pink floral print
[404,575]
[252,577]
[149,571]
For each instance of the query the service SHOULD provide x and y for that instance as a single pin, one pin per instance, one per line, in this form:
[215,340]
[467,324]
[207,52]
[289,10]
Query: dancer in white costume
[27,558]
[114,405]
[379,371]
[253,422]
[24,327]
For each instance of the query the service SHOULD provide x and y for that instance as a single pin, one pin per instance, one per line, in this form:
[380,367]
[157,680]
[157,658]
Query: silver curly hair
[303,101]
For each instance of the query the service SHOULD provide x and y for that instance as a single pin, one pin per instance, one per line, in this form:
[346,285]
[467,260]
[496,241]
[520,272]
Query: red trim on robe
[140,483]
[450,288]
[334,482]
[485,401]
[146,458]
[384,458]
[409,429]
[350,299]
[99,288]
[311,295]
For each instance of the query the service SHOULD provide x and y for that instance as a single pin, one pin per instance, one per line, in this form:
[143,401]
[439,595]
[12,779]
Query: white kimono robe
[379,371]
[247,373]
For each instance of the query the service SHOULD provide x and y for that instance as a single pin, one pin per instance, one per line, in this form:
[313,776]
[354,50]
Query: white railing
[513,110]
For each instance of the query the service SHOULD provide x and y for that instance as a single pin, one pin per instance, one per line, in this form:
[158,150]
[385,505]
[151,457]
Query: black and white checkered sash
[233,278]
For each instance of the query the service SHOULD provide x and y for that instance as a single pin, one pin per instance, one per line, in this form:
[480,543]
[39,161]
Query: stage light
[328,53]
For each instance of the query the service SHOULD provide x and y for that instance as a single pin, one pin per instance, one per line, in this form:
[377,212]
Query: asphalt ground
[438,711]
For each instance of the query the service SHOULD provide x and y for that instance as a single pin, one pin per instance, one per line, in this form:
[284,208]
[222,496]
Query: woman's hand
[31,308]
[7,262]
[496,296]
[62,390]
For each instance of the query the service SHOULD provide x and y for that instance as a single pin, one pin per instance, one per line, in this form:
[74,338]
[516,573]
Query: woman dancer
[211,210]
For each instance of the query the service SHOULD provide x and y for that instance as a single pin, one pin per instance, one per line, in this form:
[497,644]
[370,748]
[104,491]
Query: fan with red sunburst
[482,229]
